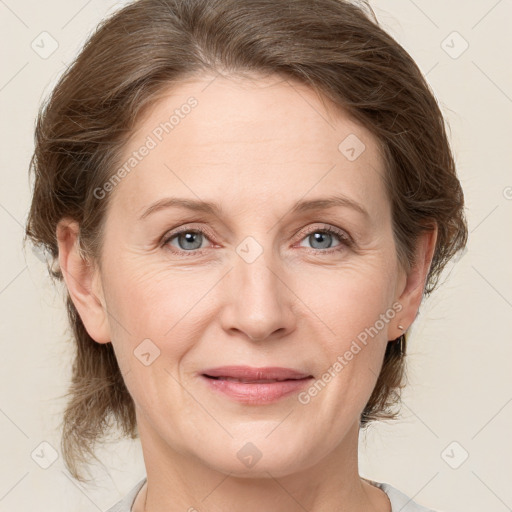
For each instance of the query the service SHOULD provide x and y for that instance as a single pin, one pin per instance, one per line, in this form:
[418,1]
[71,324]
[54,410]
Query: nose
[261,305]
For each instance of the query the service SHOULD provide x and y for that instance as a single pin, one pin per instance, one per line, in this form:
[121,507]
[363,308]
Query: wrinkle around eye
[219,233]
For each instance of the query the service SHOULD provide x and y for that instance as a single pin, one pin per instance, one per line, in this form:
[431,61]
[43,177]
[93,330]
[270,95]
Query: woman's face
[254,279]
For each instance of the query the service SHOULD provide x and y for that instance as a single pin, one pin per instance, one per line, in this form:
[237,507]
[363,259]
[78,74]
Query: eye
[190,240]
[323,236]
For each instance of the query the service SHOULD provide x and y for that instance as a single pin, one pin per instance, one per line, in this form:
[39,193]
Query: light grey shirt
[399,501]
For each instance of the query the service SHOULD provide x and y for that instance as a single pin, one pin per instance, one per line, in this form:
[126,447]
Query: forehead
[249,140]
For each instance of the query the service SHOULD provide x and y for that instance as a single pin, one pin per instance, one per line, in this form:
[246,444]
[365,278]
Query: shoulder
[400,502]
[125,505]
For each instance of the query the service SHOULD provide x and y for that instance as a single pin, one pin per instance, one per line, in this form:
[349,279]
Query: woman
[247,202]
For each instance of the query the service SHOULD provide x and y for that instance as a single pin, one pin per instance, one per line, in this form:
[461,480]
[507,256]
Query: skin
[255,147]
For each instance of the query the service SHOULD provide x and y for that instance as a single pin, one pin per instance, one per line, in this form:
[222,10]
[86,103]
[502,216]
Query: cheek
[349,299]
[150,302]
[155,292]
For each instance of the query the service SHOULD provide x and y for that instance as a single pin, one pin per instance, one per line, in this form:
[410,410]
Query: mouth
[248,381]
[255,385]
[251,374]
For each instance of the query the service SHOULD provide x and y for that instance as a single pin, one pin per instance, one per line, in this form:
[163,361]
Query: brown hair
[334,46]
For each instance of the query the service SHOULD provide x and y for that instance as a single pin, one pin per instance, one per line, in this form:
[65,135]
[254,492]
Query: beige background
[459,399]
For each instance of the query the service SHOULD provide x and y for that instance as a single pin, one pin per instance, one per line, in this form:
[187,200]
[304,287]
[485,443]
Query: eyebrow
[216,209]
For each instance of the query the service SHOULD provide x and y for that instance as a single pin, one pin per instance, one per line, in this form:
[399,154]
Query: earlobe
[82,281]
[411,292]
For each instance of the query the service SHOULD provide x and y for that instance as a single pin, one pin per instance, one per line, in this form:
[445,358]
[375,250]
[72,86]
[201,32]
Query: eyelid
[330,229]
[186,228]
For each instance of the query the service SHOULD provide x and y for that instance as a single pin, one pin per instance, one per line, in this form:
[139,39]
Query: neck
[178,481]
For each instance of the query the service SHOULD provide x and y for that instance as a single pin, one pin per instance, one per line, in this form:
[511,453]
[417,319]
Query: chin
[258,459]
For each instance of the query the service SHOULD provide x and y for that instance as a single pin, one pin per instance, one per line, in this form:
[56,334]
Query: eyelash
[345,240]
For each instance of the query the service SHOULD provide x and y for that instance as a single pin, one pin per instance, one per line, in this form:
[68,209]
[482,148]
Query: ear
[412,283]
[83,282]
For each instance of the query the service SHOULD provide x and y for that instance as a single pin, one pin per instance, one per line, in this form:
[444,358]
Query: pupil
[322,237]
[190,239]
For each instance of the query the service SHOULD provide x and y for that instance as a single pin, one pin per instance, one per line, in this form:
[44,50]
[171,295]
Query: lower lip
[254,393]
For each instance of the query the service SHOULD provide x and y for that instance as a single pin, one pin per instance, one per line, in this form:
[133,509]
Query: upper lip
[252,373]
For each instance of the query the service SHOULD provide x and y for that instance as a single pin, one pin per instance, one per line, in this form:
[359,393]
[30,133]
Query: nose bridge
[255,266]
[260,303]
